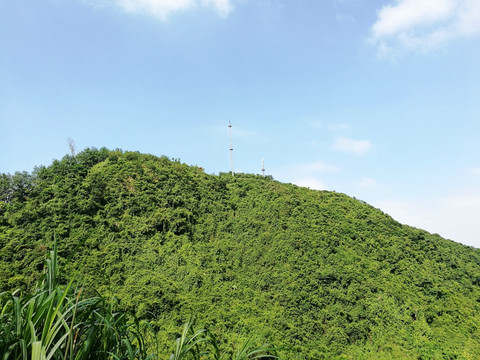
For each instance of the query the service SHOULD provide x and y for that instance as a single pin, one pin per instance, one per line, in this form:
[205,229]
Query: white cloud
[424,24]
[161,9]
[358,147]
[409,13]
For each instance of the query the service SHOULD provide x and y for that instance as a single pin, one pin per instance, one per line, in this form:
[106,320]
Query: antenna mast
[263,167]
[231,146]
[71,145]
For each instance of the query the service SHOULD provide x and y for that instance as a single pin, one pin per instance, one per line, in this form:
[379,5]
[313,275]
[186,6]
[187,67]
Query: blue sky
[376,99]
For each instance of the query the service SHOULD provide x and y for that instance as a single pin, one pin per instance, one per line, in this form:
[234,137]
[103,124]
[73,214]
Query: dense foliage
[58,323]
[317,273]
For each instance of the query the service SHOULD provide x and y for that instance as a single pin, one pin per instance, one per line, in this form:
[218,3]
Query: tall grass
[57,323]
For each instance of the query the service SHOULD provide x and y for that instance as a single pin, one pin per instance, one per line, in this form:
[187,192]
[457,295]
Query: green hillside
[317,273]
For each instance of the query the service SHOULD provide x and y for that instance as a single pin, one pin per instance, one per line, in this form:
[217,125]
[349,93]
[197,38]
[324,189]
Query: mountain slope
[317,272]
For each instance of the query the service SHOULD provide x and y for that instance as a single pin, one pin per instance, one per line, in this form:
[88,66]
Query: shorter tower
[231,146]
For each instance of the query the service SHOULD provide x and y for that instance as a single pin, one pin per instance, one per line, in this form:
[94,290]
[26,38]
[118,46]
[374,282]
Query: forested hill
[318,273]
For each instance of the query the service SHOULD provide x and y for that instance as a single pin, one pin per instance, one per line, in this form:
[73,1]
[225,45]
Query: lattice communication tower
[231,146]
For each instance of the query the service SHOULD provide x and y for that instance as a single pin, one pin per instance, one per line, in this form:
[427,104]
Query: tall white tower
[231,146]
[263,167]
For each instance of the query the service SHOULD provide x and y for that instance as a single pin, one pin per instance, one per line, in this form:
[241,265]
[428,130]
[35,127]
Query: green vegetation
[318,274]
[56,323]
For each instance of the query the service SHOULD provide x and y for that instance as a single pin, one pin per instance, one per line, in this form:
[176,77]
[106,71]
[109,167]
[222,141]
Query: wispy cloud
[359,147]
[424,24]
[161,9]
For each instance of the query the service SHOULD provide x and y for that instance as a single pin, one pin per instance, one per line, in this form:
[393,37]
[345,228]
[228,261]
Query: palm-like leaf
[188,344]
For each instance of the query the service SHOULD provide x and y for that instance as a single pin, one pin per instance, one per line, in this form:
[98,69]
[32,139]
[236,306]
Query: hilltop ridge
[318,273]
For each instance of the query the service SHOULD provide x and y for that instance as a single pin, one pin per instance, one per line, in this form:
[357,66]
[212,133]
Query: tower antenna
[71,145]
[263,167]
[231,146]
